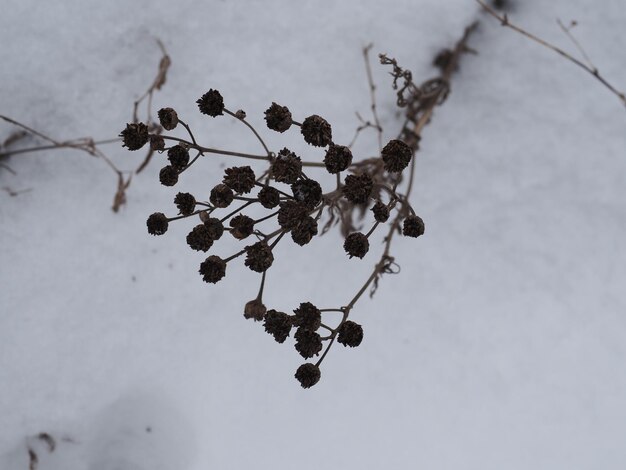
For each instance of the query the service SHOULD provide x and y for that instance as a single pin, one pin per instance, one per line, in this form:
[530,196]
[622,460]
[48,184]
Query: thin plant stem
[243,120]
[504,21]
[216,151]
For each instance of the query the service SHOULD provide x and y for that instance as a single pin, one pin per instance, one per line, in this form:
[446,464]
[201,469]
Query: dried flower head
[307,316]
[413,226]
[178,157]
[291,213]
[213,269]
[221,196]
[240,179]
[356,244]
[308,375]
[338,158]
[381,212]
[135,136]
[308,343]
[277,324]
[278,118]
[168,118]
[317,131]
[308,192]
[286,167]
[242,226]
[269,197]
[304,231]
[350,334]
[199,238]
[185,202]
[259,257]
[157,224]
[211,103]
[215,227]
[396,156]
[358,188]
[255,310]
[168,176]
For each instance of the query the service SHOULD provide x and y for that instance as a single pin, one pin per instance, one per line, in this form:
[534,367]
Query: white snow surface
[500,345]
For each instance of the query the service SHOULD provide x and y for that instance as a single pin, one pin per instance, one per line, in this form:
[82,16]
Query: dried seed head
[215,227]
[242,226]
[185,202]
[396,156]
[178,157]
[350,334]
[135,136]
[221,196]
[291,213]
[308,343]
[269,197]
[254,310]
[168,176]
[381,212]
[211,103]
[277,324]
[259,257]
[199,238]
[240,114]
[413,226]
[308,192]
[157,224]
[213,269]
[356,244]
[358,188]
[168,118]
[307,316]
[338,158]
[304,231]
[278,118]
[317,131]
[157,143]
[287,167]
[240,179]
[308,375]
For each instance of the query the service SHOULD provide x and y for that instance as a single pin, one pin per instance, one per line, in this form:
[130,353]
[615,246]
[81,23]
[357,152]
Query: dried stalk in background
[589,67]
[88,144]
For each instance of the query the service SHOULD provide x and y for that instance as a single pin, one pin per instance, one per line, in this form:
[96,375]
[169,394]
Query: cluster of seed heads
[295,202]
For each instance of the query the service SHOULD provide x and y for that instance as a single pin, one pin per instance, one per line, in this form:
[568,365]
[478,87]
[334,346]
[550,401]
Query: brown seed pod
[317,131]
[278,118]
[211,103]
[356,244]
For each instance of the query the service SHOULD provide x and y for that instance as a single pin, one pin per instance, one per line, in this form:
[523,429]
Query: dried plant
[295,202]
[585,64]
[33,458]
[88,144]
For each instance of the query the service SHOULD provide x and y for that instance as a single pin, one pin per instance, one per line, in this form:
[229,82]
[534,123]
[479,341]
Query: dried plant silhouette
[295,202]
[287,197]
[88,144]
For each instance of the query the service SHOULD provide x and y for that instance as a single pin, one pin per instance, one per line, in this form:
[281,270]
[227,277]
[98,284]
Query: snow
[500,345]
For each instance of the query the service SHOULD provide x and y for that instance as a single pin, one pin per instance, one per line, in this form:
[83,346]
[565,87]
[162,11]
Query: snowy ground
[502,343]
